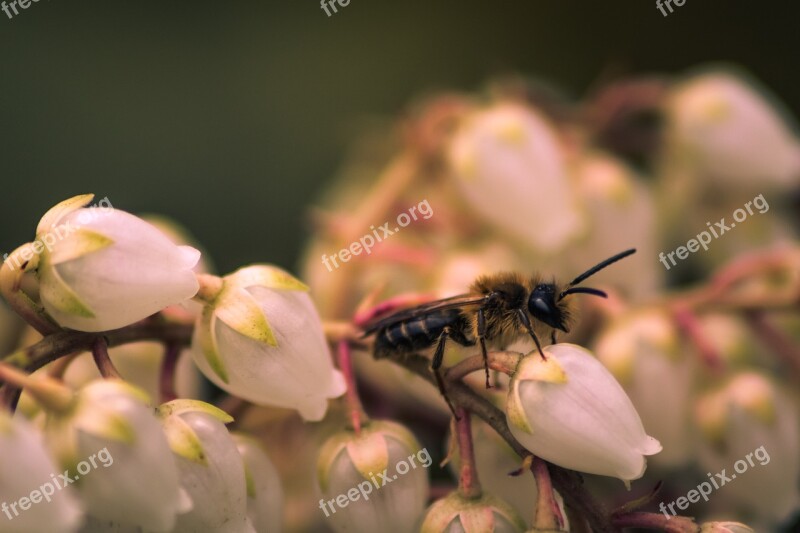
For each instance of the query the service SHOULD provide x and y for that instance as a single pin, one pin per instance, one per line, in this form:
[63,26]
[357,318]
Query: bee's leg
[527,323]
[482,340]
[436,365]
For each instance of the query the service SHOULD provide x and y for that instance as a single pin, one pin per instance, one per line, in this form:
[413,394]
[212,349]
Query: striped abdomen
[421,332]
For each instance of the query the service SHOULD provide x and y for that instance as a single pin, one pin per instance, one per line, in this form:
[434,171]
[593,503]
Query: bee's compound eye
[539,307]
[542,306]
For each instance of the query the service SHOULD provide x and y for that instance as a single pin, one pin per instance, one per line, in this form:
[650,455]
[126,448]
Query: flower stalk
[469,486]
[354,407]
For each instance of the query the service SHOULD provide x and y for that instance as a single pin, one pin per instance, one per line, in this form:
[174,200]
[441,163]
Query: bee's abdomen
[418,333]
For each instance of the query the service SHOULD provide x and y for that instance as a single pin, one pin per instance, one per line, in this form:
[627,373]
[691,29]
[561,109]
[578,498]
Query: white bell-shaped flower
[375,481]
[643,351]
[751,436]
[264,492]
[27,471]
[115,446]
[102,269]
[732,133]
[261,339]
[456,514]
[622,211]
[210,467]
[510,170]
[570,410]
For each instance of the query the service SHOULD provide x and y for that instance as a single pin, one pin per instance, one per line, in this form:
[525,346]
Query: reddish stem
[468,484]
[102,360]
[689,324]
[659,521]
[776,339]
[344,357]
[169,363]
[548,513]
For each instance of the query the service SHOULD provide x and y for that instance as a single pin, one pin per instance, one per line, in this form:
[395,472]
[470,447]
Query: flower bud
[25,467]
[731,133]
[509,168]
[456,514]
[643,352]
[750,429]
[264,493]
[261,339]
[570,411]
[622,213]
[375,481]
[210,468]
[105,269]
[118,456]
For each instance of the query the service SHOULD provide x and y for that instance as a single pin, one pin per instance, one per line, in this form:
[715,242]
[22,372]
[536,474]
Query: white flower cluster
[257,335]
[175,469]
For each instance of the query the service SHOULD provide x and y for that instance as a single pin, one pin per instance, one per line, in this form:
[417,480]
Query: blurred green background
[232,117]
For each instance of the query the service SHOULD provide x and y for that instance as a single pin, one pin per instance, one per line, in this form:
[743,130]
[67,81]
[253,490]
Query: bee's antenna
[583,290]
[594,270]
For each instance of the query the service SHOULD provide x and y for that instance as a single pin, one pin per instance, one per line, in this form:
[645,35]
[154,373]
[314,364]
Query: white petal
[394,508]
[25,466]
[509,168]
[132,484]
[297,373]
[586,424]
[735,134]
[265,506]
[217,489]
[138,275]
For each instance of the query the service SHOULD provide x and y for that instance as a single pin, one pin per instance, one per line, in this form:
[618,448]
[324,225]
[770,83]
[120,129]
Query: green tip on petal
[515,412]
[105,424]
[182,406]
[369,453]
[208,343]
[61,296]
[249,482]
[239,310]
[84,242]
[533,367]
[267,276]
[60,210]
[183,441]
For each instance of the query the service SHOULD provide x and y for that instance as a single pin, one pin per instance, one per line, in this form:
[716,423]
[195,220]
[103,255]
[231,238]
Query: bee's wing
[462,300]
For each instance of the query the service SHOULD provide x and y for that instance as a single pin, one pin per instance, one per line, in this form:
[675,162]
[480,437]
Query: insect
[498,310]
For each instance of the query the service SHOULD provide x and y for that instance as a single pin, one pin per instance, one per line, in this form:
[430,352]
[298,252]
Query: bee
[498,310]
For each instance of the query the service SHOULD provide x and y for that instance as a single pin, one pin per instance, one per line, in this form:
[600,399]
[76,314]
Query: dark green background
[231,117]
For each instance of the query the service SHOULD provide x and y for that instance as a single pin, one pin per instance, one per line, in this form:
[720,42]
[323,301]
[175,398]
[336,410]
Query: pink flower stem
[344,357]
[468,484]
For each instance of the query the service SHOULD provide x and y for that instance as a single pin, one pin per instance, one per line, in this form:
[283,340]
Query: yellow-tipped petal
[369,453]
[239,310]
[60,210]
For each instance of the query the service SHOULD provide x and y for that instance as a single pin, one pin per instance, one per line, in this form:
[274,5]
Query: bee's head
[542,305]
